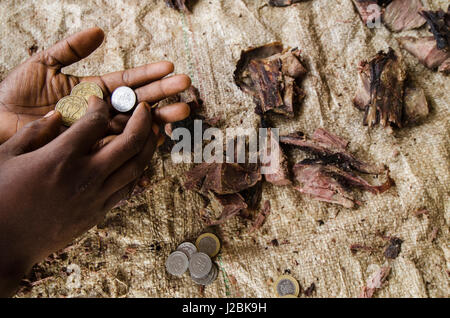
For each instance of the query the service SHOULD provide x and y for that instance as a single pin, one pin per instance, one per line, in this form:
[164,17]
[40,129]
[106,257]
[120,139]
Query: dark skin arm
[56,185]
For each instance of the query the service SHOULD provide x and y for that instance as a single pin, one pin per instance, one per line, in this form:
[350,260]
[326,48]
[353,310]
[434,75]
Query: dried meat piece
[321,186]
[271,76]
[439,23]
[259,221]
[280,176]
[179,5]
[394,248]
[425,50]
[283,3]
[387,77]
[331,184]
[375,282]
[415,105]
[330,149]
[227,206]
[222,178]
[402,15]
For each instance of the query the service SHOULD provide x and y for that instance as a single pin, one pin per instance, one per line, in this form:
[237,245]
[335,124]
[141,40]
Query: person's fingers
[122,194]
[73,48]
[129,143]
[103,142]
[132,169]
[172,113]
[87,131]
[134,77]
[118,124]
[34,135]
[161,140]
[164,88]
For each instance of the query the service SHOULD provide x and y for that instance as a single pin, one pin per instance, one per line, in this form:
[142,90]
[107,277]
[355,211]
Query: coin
[177,263]
[123,99]
[200,265]
[286,285]
[187,248]
[211,277]
[71,108]
[86,90]
[208,243]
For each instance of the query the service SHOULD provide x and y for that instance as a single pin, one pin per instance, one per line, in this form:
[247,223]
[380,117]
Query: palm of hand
[32,89]
[30,92]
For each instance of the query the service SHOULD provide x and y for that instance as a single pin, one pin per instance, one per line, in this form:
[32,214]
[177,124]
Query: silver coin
[177,263]
[209,279]
[123,99]
[286,287]
[200,265]
[187,248]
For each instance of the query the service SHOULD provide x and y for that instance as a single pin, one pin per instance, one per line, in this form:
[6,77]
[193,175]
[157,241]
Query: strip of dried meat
[222,178]
[280,176]
[321,186]
[227,206]
[402,15]
[179,5]
[394,248]
[331,184]
[283,3]
[375,282]
[271,76]
[439,22]
[259,221]
[386,75]
[425,50]
[252,196]
[330,149]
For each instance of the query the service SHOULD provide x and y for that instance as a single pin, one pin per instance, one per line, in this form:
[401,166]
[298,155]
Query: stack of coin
[286,286]
[202,269]
[198,257]
[123,99]
[73,107]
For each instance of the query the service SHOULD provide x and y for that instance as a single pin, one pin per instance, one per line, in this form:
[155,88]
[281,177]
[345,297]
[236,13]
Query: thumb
[34,135]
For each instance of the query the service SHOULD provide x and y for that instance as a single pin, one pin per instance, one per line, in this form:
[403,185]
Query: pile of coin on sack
[74,106]
[197,258]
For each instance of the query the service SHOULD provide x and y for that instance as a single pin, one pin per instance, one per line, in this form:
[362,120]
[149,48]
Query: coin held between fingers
[123,99]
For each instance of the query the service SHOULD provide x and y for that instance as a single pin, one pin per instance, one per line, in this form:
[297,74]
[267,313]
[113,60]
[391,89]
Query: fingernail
[50,113]
[147,107]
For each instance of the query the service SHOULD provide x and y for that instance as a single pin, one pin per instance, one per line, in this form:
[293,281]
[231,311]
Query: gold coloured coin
[208,243]
[71,108]
[286,285]
[86,90]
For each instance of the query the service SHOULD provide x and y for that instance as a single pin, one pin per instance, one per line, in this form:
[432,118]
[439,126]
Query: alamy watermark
[238,145]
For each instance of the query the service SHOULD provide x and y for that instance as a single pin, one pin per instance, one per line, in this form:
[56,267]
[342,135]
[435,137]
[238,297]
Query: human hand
[33,88]
[55,186]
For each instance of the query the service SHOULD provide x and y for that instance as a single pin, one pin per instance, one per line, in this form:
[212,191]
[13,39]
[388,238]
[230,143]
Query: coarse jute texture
[125,255]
